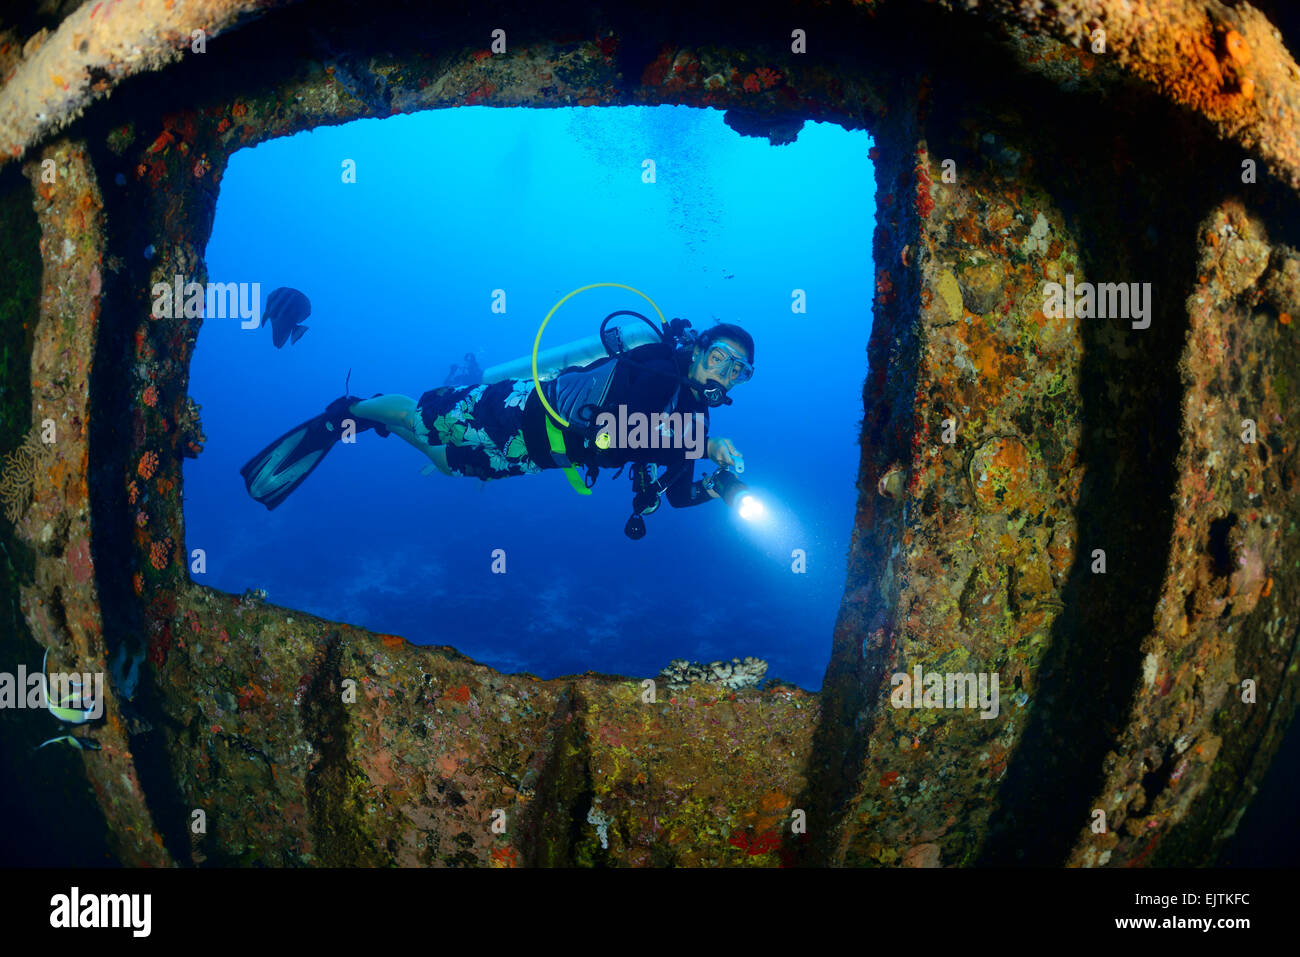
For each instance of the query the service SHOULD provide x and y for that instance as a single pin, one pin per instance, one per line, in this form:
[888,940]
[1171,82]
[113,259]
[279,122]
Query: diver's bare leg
[401,416]
[439,455]
[392,410]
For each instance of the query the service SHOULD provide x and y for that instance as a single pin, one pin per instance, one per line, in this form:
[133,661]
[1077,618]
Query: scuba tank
[551,362]
[556,361]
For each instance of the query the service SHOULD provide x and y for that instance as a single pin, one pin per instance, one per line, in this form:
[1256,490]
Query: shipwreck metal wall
[1007,157]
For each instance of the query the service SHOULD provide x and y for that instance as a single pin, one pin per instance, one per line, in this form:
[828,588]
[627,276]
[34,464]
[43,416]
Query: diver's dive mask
[735,368]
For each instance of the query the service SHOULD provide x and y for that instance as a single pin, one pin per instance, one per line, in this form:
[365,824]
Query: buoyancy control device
[575,379]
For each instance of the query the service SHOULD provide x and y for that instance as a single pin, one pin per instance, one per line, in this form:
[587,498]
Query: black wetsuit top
[640,390]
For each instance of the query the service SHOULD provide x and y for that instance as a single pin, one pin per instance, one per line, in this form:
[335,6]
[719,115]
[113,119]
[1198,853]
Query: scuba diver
[496,429]
[467,374]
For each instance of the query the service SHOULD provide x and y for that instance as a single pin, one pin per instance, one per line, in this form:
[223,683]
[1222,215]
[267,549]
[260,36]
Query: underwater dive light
[751,508]
[736,494]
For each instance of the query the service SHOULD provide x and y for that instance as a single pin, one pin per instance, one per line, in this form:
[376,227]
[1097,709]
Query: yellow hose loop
[537,386]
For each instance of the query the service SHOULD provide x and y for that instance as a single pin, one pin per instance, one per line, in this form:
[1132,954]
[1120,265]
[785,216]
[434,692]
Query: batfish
[285,310]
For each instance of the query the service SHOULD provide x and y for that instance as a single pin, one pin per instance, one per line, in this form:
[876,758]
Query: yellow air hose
[555,437]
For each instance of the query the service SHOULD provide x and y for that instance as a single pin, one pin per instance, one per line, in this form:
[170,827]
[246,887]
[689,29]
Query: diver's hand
[723,452]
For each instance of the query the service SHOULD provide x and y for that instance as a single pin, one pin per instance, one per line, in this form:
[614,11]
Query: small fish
[74,700]
[69,715]
[285,310]
[61,710]
[81,744]
[732,276]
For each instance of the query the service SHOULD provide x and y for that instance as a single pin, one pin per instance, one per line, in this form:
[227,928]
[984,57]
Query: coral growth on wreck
[21,468]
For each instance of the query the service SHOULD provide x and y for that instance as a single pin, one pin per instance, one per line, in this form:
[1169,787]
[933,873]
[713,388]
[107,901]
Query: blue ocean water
[400,268]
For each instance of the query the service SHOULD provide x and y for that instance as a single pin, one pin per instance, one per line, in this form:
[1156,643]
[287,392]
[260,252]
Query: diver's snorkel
[735,493]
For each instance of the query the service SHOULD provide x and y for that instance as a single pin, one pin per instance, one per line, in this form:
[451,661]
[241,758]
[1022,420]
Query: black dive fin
[297,334]
[281,467]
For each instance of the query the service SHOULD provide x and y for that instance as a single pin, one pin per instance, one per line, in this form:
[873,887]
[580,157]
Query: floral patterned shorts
[482,427]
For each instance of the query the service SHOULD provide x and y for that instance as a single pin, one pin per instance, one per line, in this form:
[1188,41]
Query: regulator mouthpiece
[715,394]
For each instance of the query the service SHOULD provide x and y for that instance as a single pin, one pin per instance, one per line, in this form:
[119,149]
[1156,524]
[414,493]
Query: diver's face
[714,364]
